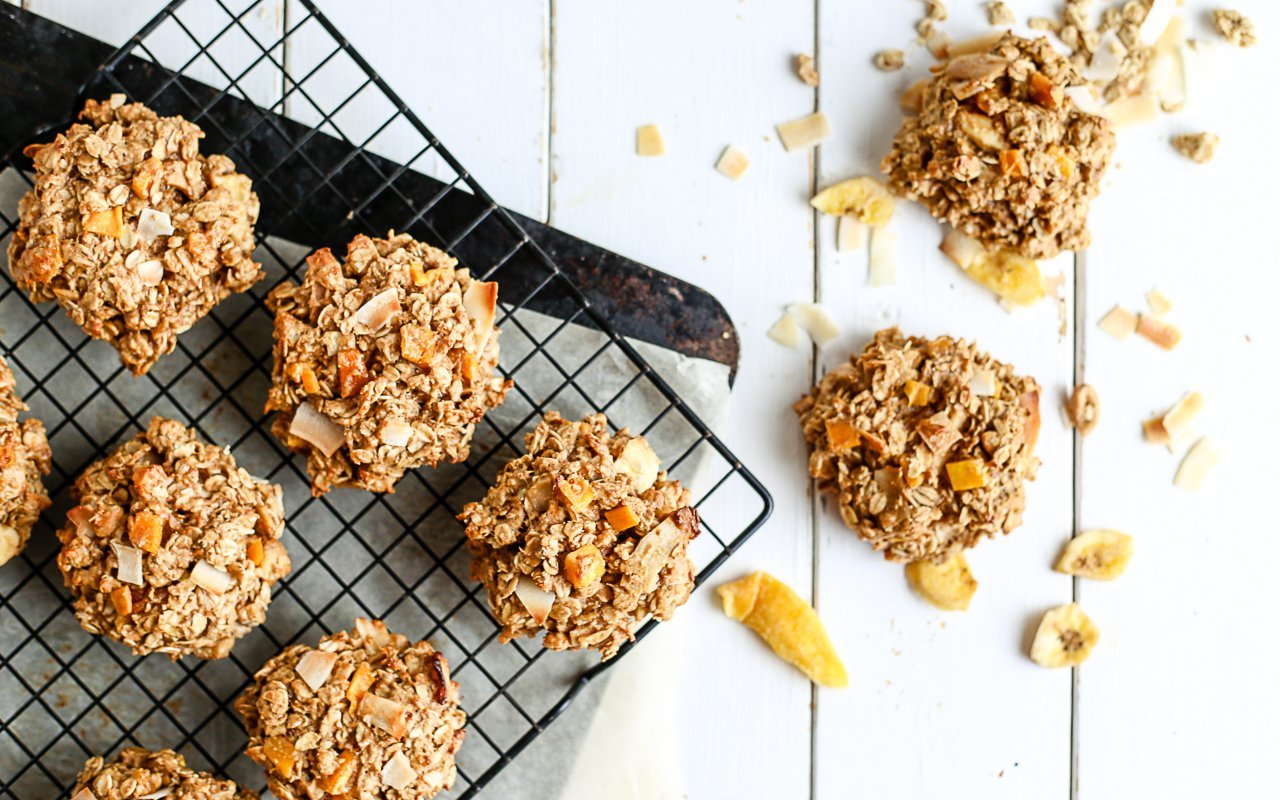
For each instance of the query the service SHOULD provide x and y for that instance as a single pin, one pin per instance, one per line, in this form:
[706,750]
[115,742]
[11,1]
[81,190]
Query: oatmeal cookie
[134,232]
[583,537]
[926,443]
[173,548]
[363,714]
[24,459]
[1001,153]
[383,363]
[138,772]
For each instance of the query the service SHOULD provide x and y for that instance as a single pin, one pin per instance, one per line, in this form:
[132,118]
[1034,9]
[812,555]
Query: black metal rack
[67,695]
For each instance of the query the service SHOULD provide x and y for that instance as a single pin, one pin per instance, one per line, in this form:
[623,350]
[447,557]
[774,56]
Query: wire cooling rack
[332,152]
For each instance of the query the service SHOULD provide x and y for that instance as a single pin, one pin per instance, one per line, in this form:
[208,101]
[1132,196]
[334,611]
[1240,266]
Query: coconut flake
[983,382]
[1201,458]
[374,630]
[1176,423]
[961,249]
[883,264]
[315,668]
[398,772]
[129,559]
[480,301]
[385,714]
[1158,303]
[85,794]
[815,321]
[315,428]
[851,234]
[81,517]
[785,332]
[152,223]
[1105,63]
[379,309]
[733,163]
[639,463]
[1158,22]
[1085,96]
[536,601]
[1119,323]
[158,793]
[396,432]
[151,272]
[805,132]
[1133,110]
[208,576]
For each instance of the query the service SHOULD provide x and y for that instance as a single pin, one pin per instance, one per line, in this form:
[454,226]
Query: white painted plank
[1180,697]
[941,704]
[474,73]
[709,74]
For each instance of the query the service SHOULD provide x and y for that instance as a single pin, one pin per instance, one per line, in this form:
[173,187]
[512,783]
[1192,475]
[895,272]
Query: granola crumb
[925,443]
[1042,24]
[889,60]
[363,714]
[137,772]
[24,459]
[584,537]
[1082,409]
[1199,147]
[1000,14]
[806,70]
[1235,27]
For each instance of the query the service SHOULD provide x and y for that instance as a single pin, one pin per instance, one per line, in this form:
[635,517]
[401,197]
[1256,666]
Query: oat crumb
[1199,147]
[1234,27]
[1000,14]
[805,69]
[889,60]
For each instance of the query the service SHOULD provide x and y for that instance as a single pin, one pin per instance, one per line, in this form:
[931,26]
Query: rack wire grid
[332,152]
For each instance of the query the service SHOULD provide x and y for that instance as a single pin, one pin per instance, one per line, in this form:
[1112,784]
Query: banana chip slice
[1065,637]
[1101,555]
[948,586]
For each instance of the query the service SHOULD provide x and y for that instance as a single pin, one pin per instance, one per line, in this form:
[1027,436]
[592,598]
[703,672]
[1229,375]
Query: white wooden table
[540,98]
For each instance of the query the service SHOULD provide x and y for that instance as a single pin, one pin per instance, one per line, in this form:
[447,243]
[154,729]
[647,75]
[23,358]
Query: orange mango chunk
[353,374]
[361,680]
[145,531]
[417,345]
[968,474]
[787,623]
[106,223]
[575,492]
[336,782]
[584,566]
[122,599]
[254,551]
[282,755]
[841,435]
[622,518]
[918,394]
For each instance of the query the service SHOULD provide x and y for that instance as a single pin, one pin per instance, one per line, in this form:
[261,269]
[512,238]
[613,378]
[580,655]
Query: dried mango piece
[787,623]
[948,586]
[865,198]
[122,600]
[575,492]
[584,566]
[282,755]
[145,531]
[353,374]
[106,223]
[841,435]
[918,394]
[361,680]
[968,474]
[336,782]
[622,518]
[254,551]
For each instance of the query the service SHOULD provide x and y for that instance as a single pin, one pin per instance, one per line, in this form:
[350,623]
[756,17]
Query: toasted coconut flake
[151,272]
[375,630]
[152,223]
[655,547]
[1158,303]
[379,309]
[1133,110]
[10,543]
[883,263]
[398,773]
[210,577]
[1158,331]
[158,794]
[315,667]
[913,97]
[815,321]
[1201,458]
[733,162]
[961,249]
[481,302]
[1119,323]
[1177,422]
[638,462]
[1153,431]
[983,382]
[851,234]
[785,332]
[1106,60]
[536,600]
[129,569]
[85,794]
[649,141]
[315,428]
[388,715]
[978,44]
[396,432]
[81,517]
[1085,96]
[805,132]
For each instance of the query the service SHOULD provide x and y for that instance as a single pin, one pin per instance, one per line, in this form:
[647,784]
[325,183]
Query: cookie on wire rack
[362,714]
[140,773]
[172,548]
[384,362]
[133,231]
[583,537]
[926,444]
[24,460]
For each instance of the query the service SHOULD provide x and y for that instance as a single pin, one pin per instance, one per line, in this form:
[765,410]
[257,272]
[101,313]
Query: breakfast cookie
[172,548]
[362,714]
[24,459]
[925,442]
[999,150]
[383,363]
[583,537]
[134,232]
[140,773]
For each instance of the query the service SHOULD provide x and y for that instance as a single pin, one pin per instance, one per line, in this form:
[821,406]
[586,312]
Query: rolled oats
[394,351]
[580,488]
[957,156]
[24,459]
[171,506]
[385,722]
[81,239]
[896,461]
[137,772]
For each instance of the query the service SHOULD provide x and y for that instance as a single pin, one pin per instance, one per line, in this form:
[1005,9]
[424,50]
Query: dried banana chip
[787,623]
[1101,555]
[948,586]
[1065,637]
[866,198]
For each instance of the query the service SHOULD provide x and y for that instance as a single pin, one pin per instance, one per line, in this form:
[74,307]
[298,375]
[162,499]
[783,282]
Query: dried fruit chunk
[732,163]
[282,754]
[1153,431]
[948,586]
[1158,303]
[416,345]
[1065,637]
[649,141]
[575,492]
[145,531]
[336,782]
[1195,466]
[968,474]
[584,566]
[353,373]
[122,600]
[1013,164]
[361,680]
[1101,555]
[106,223]
[1012,277]
[841,434]
[805,132]
[639,463]
[1159,332]
[864,197]
[918,394]
[144,179]
[787,623]
[1045,92]
[622,518]
[303,374]
[253,550]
